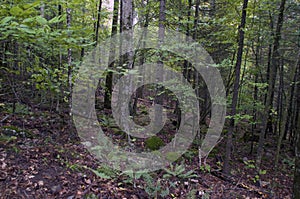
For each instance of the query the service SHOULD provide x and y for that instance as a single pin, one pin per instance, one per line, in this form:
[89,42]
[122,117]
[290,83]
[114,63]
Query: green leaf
[57,19]
[6,20]
[41,20]
[99,174]
[26,29]
[16,11]
[263,172]
[32,5]
[29,20]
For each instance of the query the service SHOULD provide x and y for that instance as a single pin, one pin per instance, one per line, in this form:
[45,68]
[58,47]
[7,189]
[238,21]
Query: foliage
[179,171]
[205,168]
[155,188]
[104,172]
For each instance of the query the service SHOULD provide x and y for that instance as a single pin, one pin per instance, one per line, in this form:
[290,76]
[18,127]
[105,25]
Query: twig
[4,118]
[238,182]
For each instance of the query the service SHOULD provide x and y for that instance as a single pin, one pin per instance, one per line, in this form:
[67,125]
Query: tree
[98,21]
[296,188]
[159,72]
[226,168]
[271,84]
[109,77]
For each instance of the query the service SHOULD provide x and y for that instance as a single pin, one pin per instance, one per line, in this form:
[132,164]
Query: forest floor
[42,157]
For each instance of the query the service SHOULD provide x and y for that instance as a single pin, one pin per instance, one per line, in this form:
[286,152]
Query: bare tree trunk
[296,188]
[145,25]
[226,169]
[159,72]
[187,65]
[58,96]
[98,21]
[195,35]
[127,25]
[109,77]
[296,109]
[69,63]
[272,79]
[286,111]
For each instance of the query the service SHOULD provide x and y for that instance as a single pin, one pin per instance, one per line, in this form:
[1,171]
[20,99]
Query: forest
[150,99]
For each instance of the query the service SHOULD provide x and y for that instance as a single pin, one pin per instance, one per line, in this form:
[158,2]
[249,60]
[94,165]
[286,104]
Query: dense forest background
[255,45]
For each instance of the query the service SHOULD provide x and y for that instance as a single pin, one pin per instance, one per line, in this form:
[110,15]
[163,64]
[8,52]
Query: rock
[56,189]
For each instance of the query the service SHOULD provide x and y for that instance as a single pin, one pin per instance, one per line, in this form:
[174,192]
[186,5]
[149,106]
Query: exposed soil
[47,160]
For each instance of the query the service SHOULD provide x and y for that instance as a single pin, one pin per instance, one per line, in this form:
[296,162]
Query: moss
[172,156]
[117,131]
[4,139]
[154,143]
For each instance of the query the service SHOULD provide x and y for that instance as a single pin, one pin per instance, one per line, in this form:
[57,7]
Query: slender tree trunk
[127,26]
[296,188]
[159,74]
[288,122]
[187,65]
[195,35]
[272,78]
[58,96]
[280,101]
[255,93]
[98,21]
[286,112]
[227,168]
[69,63]
[145,25]
[296,108]
[109,77]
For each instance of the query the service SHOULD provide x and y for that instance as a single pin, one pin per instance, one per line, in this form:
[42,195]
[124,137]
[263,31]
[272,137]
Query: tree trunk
[69,63]
[98,21]
[227,168]
[296,191]
[109,77]
[296,108]
[187,65]
[126,26]
[286,112]
[159,74]
[145,25]
[272,78]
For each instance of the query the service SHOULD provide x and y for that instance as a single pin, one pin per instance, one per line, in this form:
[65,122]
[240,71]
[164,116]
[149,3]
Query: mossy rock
[154,143]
